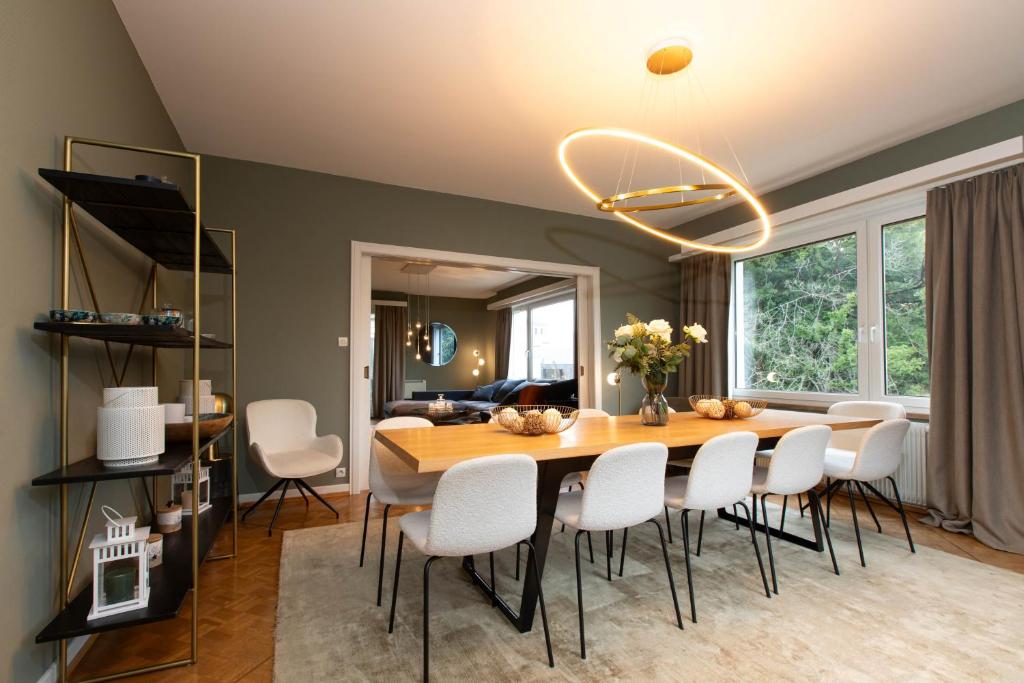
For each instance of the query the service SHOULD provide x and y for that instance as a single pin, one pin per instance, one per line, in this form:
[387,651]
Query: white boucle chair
[720,476]
[625,487]
[796,466]
[877,456]
[481,505]
[282,438]
[393,482]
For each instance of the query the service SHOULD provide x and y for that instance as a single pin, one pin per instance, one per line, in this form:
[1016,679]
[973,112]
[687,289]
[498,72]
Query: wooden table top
[435,449]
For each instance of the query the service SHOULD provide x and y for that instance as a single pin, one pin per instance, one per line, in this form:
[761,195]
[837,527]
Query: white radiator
[910,476]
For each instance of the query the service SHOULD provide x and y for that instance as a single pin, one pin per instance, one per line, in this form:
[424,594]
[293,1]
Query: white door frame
[588,312]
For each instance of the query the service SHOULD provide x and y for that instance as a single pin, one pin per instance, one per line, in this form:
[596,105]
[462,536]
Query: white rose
[624,331]
[660,328]
[697,332]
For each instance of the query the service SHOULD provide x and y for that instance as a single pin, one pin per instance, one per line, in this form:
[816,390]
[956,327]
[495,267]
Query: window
[543,343]
[835,311]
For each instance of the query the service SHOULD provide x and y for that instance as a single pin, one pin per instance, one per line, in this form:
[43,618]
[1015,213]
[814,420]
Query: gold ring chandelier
[665,59]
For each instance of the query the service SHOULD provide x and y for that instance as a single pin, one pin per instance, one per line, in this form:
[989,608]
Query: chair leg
[757,549]
[608,551]
[689,573]
[426,618]
[768,542]
[700,532]
[736,514]
[540,598]
[305,498]
[562,530]
[494,584]
[668,570]
[262,498]
[668,524]
[868,504]
[782,521]
[517,561]
[394,588]
[303,484]
[590,547]
[828,501]
[383,544]
[813,499]
[856,527]
[366,522]
[800,503]
[903,515]
[270,529]
[622,556]
[579,598]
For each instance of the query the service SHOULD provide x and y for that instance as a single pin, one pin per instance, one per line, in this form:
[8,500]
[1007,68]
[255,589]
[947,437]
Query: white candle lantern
[184,493]
[120,567]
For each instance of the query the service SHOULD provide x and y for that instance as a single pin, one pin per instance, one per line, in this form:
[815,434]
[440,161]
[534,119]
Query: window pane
[553,340]
[797,326]
[517,346]
[906,340]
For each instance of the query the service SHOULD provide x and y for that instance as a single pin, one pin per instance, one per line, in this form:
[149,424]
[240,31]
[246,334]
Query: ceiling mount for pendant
[669,57]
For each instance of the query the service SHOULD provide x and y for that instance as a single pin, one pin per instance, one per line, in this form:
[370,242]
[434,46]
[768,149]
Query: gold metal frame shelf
[140,219]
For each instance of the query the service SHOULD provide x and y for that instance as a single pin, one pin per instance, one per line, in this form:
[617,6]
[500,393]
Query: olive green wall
[294,251]
[985,129]
[66,67]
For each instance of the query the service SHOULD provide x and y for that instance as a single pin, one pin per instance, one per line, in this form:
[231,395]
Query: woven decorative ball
[724,408]
[533,420]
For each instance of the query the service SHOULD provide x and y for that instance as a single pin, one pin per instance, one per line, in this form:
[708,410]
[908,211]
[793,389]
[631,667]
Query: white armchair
[283,440]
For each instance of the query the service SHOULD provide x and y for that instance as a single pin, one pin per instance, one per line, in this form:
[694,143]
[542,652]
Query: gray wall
[979,131]
[66,67]
[294,259]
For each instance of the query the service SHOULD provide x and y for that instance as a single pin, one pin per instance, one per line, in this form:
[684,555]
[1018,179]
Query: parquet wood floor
[238,598]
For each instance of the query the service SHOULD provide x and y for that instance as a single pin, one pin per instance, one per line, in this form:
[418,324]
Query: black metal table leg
[817,543]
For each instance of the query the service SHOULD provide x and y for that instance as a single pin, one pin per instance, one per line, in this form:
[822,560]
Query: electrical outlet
[340,473]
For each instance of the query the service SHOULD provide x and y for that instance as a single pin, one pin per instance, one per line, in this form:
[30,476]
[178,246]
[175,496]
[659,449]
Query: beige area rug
[929,616]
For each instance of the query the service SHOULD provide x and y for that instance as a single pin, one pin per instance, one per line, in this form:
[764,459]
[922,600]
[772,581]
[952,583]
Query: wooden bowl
[209,425]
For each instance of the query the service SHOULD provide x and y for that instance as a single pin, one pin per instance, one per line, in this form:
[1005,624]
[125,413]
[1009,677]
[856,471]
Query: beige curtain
[975,288]
[704,298]
[388,356]
[502,343]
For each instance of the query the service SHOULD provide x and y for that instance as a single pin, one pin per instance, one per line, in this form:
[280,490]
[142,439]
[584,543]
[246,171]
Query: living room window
[835,311]
[543,341]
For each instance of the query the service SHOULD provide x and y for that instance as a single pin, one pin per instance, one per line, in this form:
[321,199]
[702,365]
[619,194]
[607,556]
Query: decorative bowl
[209,425]
[120,318]
[72,315]
[533,420]
[722,408]
[160,319]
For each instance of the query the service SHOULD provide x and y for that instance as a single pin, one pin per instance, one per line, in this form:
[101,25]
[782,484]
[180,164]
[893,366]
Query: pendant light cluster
[418,306]
[665,60]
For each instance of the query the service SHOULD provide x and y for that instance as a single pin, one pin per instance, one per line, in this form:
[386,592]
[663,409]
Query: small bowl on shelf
[160,319]
[534,420]
[723,408]
[209,425]
[120,318]
[72,315]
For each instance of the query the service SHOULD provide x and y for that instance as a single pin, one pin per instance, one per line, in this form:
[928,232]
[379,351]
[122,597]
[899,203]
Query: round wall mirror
[442,344]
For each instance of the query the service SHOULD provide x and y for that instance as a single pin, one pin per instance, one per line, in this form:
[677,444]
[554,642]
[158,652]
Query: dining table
[428,450]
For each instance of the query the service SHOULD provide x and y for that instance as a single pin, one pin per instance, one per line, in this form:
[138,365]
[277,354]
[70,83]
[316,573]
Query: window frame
[554,298]
[866,223]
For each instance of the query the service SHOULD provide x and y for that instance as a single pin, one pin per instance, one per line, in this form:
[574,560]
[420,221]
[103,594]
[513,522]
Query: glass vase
[654,408]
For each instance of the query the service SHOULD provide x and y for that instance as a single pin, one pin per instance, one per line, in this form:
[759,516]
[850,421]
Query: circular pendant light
[666,59]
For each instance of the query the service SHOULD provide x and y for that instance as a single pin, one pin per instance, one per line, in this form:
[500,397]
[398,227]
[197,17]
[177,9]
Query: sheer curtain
[388,356]
[706,281]
[974,270]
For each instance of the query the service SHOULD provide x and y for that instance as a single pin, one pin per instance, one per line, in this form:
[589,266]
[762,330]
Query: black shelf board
[151,215]
[162,336]
[177,453]
[169,583]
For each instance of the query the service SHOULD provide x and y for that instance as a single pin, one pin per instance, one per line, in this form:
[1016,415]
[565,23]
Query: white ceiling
[466,282]
[472,97]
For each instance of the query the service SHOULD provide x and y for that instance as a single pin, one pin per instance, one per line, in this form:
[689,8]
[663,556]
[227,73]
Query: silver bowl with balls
[723,408]
[534,420]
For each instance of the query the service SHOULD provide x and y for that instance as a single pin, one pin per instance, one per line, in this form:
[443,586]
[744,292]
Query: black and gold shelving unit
[156,218]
